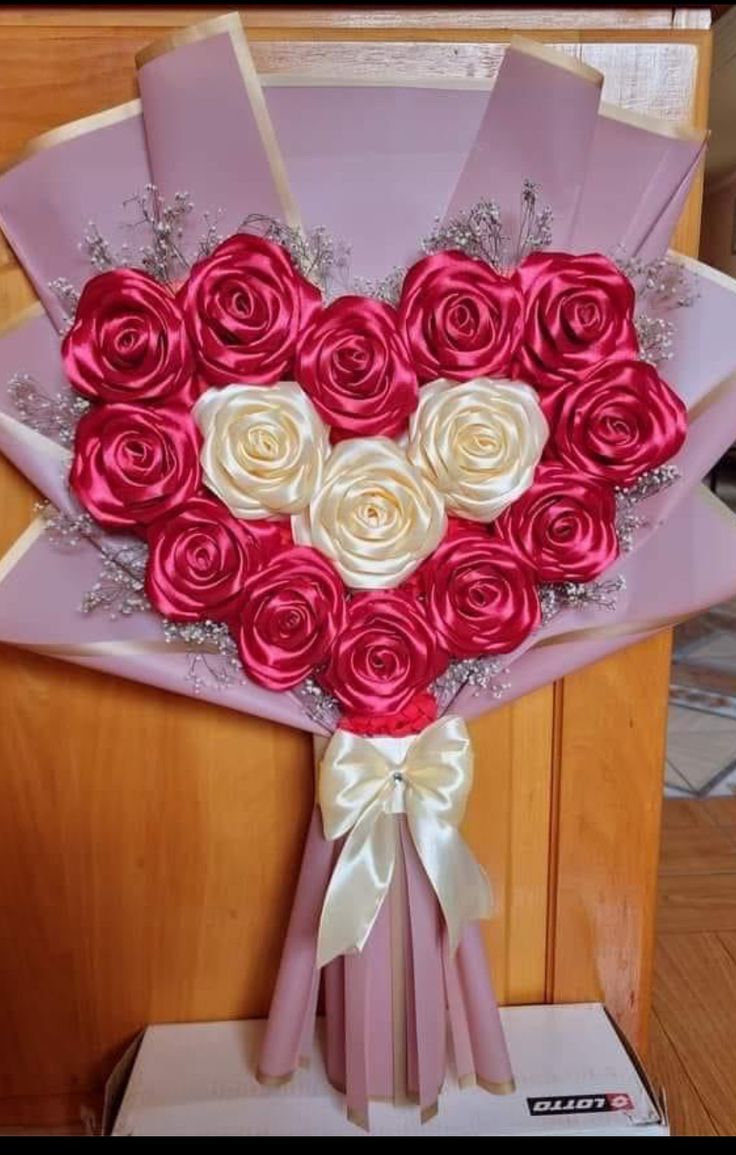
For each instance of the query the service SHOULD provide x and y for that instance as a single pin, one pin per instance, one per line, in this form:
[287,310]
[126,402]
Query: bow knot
[363,784]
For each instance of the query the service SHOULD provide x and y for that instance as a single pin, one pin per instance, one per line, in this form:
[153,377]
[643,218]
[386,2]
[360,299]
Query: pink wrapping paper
[635,216]
[669,577]
[395,155]
[77,174]
[205,129]
[539,124]
[404,135]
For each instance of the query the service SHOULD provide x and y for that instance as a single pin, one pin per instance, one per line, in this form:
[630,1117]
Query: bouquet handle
[393,1008]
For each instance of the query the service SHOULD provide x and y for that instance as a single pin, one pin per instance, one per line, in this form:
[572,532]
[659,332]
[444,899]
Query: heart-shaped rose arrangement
[360,492]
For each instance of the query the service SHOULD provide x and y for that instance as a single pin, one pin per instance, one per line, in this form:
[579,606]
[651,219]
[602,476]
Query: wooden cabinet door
[150,843]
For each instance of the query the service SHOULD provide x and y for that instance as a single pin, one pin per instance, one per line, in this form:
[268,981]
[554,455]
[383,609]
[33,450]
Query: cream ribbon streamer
[364,784]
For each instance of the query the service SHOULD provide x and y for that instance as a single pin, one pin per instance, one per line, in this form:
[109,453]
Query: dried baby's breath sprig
[68,298]
[98,250]
[164,257]
[318,256]
[477,232]
[559,596]
[120,589]
[388,289]
[65,531]
[480,232]
[628,499]
[320,705]
[481,673]
[212,655]
[212,237]
[55,417]
[535,223]
[661,286]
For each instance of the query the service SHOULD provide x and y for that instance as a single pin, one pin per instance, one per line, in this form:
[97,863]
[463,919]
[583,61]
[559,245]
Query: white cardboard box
[574,1076]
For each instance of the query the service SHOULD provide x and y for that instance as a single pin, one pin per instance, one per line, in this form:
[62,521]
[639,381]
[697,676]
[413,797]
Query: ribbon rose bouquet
[366,446]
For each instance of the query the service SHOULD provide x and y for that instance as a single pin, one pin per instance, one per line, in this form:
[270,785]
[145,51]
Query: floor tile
[674,779]
[700,746]
[720,648]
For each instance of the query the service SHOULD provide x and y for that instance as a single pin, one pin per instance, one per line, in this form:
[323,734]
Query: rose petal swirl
[617,422]
[244,308]
[132,464]
[478,443]
[578,311]
[355,367]
[264,448]
[200,558]
[564,527]
[481,597]
[374,515]
[128,341]
[292,611]
[385,654]
[460,318]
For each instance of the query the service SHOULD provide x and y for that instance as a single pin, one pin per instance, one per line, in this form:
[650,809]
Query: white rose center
[478,443]
[264,448]
[374,515]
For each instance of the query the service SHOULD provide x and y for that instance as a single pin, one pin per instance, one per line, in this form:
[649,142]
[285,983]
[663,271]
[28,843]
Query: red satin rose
[355,367]
[244,308]
[460,318]
[200,558]
[578,311]
[481,598]
[616,422]
[291,612]
[564,526]
[419,713]
[128,341]
[132,465]
[385,654]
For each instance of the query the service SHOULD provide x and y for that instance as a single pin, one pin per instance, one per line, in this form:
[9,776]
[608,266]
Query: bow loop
[364,783]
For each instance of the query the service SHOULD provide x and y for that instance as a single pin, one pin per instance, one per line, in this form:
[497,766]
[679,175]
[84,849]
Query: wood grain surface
[148,844]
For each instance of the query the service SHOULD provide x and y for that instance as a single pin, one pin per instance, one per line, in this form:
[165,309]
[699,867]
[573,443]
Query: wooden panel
[423,20]
[149,843]
[508,829]
[611,758]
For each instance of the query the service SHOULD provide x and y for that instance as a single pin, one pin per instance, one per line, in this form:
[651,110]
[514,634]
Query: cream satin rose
[374,515]
[264,448]
[478,443]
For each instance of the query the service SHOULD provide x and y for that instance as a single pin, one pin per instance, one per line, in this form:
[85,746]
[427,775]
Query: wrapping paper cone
[70,176]
[207,126]
[635,216]
[539,124]
[390,1007]
[395,155]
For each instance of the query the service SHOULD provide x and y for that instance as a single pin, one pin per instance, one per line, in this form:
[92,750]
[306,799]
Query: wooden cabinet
[149,843]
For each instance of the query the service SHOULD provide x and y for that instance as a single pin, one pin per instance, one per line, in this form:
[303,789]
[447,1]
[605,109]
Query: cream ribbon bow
[364,783]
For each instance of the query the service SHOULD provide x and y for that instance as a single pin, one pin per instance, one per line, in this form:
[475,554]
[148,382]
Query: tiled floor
[701,753]
[701,739]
